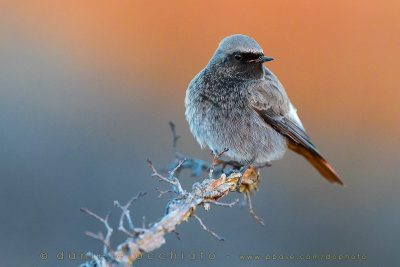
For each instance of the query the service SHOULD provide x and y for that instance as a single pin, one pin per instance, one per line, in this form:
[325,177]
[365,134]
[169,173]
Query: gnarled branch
[179,209]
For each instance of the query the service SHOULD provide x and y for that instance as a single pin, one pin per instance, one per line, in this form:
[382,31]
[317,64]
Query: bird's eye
[238,57]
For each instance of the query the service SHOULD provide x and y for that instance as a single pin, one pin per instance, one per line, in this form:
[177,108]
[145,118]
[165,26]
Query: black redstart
[237,103]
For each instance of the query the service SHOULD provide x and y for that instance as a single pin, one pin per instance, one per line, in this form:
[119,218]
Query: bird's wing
[269,100]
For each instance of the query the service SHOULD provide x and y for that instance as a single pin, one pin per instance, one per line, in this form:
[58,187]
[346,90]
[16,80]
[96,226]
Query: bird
[236,105]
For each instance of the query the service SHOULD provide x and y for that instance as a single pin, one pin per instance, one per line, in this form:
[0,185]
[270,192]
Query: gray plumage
[237,103]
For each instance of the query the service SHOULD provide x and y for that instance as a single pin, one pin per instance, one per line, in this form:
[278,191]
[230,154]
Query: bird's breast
[220,116]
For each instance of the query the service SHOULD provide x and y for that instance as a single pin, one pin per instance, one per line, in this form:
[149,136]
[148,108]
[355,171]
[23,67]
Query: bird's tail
[318,162]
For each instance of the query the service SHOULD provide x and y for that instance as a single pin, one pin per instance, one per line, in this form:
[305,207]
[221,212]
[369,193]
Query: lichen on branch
[179,209]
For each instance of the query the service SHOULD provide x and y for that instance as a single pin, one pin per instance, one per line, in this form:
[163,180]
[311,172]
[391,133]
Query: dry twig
[258,219]
[180,209]
[126,214]
[105,241]
[206,229]
[172,179]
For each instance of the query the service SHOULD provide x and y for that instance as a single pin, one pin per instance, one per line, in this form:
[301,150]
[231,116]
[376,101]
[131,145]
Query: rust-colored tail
[298,141]
[318,162]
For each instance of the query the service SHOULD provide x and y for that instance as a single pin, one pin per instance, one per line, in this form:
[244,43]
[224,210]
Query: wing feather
[272,105]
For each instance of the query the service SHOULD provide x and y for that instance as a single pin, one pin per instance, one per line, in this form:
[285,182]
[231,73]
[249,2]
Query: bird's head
[239,55]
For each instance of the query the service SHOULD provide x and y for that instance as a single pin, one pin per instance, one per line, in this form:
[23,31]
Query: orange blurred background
[339,58]
[87,87]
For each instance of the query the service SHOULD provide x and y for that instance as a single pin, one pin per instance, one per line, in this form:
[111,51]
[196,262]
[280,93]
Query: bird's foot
[242,172]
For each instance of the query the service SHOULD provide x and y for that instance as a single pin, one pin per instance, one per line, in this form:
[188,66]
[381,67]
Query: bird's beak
[261,59]
[264,59]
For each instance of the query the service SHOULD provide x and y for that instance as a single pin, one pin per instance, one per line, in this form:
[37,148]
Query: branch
[206,229]
[179,209]
[126,214]
[171,180]
[105,241]
[252,213]
[175,137]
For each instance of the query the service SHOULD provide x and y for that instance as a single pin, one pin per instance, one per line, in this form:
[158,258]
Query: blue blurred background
[87,90]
